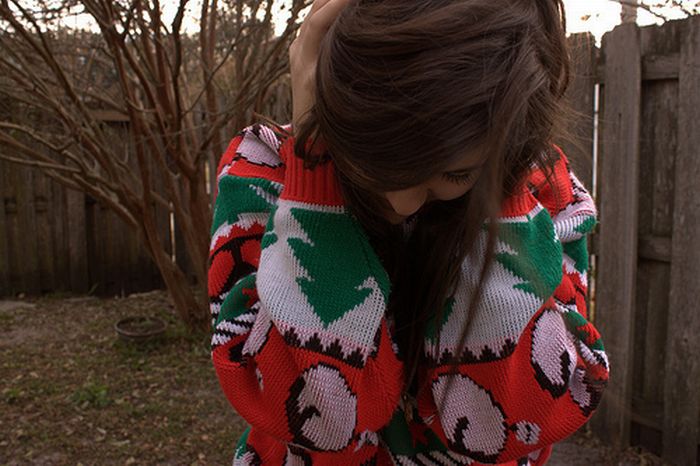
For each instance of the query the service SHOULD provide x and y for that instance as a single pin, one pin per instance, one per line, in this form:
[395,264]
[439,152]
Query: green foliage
[91,394]
[12,395]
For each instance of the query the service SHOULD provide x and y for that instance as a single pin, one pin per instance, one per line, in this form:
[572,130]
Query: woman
[399,276]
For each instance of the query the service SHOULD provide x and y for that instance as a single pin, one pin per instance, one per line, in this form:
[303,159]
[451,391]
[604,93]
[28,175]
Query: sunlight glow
[597,16]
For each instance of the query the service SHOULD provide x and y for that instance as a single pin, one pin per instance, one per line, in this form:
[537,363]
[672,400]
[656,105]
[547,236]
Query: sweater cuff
[316,186]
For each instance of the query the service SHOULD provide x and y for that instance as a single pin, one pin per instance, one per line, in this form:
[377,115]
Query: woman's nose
[407,201]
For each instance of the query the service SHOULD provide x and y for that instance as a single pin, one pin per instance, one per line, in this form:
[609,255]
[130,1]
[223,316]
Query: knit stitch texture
[304,352]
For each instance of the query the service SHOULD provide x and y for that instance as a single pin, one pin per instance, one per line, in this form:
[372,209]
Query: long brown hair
[403,89]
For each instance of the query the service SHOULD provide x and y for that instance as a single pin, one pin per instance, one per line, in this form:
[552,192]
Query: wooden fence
[54,239]
[646,252]
[647,248]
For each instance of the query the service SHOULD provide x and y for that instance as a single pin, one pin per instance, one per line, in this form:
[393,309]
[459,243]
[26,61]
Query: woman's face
[452,183]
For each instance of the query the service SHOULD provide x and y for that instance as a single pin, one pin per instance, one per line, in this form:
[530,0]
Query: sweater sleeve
[535,368]
[300,346]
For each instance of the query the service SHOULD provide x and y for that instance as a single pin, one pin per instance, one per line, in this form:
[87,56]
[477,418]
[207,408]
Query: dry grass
[73,393]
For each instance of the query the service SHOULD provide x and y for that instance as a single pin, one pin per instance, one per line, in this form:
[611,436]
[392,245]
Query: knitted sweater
[304,352]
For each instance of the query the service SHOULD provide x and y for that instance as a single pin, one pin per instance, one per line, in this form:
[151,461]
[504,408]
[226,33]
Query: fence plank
[682,378]
[657,145]
[21,232]
[618,224]
[581,97]
[113,236]
[130,272]
[29,249]
[57,218]
[77,240]
[45,250]
[12,232]
[4,229]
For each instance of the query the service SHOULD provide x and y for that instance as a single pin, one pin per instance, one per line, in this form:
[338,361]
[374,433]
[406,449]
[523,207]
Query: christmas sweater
[304,352]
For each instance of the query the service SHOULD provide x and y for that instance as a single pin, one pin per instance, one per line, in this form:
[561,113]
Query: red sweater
[305,354]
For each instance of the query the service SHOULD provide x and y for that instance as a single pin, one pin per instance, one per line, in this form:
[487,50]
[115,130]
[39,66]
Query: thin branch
[639,5]
[651,8]
[38,163]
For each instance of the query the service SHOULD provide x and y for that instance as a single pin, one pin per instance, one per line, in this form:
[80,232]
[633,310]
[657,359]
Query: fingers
[304,50]
[321,16]
[316,5]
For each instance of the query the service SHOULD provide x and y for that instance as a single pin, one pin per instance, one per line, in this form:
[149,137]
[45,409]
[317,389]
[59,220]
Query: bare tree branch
[653,7]
[133,115]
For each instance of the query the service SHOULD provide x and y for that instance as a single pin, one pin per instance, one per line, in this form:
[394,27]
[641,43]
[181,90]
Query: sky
[603,15]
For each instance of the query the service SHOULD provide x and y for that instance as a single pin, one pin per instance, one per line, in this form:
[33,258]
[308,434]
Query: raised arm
[534,367]
[300,347]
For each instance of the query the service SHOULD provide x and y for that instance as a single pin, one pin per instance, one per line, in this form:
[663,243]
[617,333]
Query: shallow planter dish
[139,328]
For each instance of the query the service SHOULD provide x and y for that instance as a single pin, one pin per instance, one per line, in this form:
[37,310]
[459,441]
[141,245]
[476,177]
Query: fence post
[682,368]
[618,225]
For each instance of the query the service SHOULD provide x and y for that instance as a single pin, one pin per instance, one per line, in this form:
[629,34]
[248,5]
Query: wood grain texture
[658,144]
[580,96]
[29,250]
[77,242]
[655,248]
[619,184]
[682,369]
[45,250]
[60,236]
[655,67]
[5,288]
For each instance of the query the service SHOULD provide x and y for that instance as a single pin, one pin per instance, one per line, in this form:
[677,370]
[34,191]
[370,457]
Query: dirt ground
[72,393]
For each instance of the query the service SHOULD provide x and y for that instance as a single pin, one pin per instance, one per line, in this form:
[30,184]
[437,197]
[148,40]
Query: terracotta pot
[139,328]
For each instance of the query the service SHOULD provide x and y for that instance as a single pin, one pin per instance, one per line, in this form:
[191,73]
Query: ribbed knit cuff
[519,203]
[316,186]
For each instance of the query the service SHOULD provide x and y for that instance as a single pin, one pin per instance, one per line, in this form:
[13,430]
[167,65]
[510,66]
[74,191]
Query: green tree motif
[337,261]
[577,249]
[431,328]
[538,258]
[399,437]
[586,226]
[239,194]
[270,237]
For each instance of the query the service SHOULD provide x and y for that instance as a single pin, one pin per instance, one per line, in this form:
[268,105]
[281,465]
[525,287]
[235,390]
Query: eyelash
[461,179]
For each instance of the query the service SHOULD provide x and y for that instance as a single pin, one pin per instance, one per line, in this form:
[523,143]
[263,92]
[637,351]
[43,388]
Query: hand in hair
[303,54]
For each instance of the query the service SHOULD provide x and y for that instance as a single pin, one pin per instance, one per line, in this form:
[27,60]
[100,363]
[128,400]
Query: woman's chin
[395,219]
